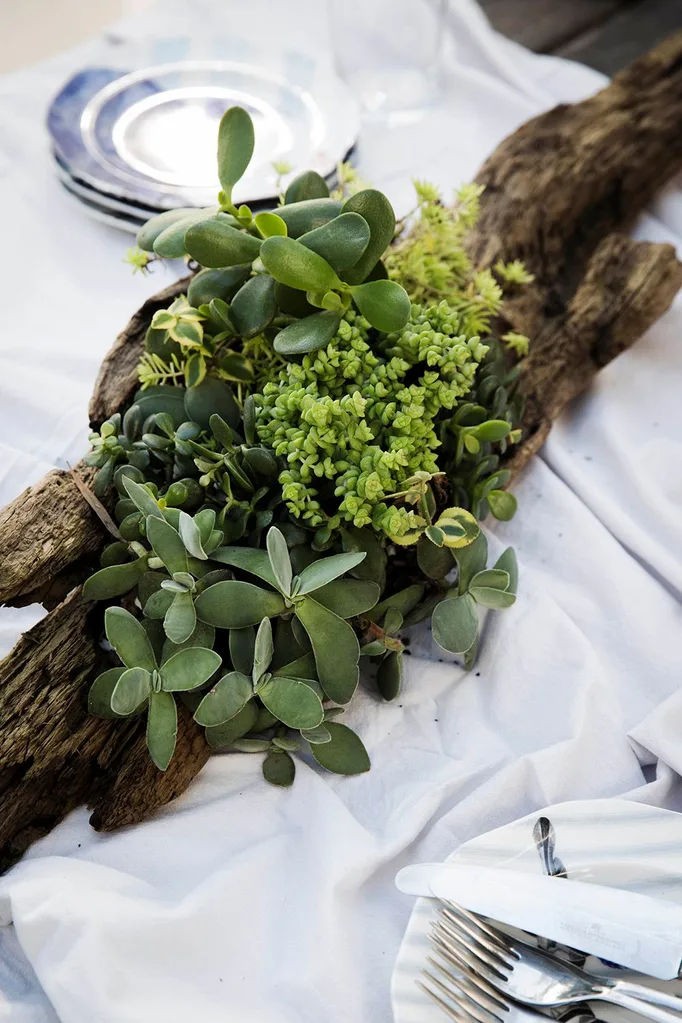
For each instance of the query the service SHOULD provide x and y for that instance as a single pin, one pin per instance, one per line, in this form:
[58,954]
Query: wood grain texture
[559,194]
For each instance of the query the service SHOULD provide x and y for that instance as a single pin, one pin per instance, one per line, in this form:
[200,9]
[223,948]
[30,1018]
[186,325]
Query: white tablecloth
[247,904]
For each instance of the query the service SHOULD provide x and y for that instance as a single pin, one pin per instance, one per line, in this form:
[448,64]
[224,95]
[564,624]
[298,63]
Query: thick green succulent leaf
[242,646]
[435,562]
[492,597]
[385,304]
[348,597]
[378,212]
[157,638]
[129,639]
[235,146]
[341,242]
[291,301]
[209,397]
[404,601]
[141,498]
[254,306]
[188,669]
[316,735]
[225,700]
[263,650]
[390,674]
[114,580]
[335,647]
[190,535]
[454,624]
[221,283]
[326,569]
[261,461]
[494,578]
[306,215]
[308,185]
[234,605]
[374,565]
[470,560]
[170,243]
[150,231]
[344,753]
[293,264]
[167,545]
[280,562]
[503,505]
[165,398]
[215,243]
[279,769]
[131,690]
[158,603]
[219,736]
[203,636]
[292,702]
[308,334]
[99,696]
[302,667]
[162,728]
[507,563]
[249,559]
[269,225]
[181,618]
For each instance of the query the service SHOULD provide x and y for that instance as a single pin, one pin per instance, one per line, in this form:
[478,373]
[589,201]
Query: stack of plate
[129,145]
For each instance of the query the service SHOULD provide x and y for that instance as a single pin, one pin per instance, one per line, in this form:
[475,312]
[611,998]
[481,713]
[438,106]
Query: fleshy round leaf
[162,728]
[293,264]
[131,690]
[141,498]
[129,639]
[221,283]
[99,696]
[503,505]
[148,234]
[378,212]
[385,304]
[190,534]
[335,647]
[494,578]
[308,185]
[344,753]
[390,675]
[225,700]
[242,649]
[316,735]
[308,334]
[435,562]
[249,559]
[507,563]
[219,736]
[263,649]
[454,624]
[459,526]
[492,430]
[167,544]
[215,243]
[404,601]
[326,569]
[212,396]
[374,565]
[341,242]
[302,667]
[203,636]
[235,146]
[158,603]
[270,225]
[470,560]
[114,580]
[170,243]
[234,604]
[188,669]
[304,216]
[280,562]
[254,306]
[348,597]
[180,619]
[495,599]
[292,702]
[279,769]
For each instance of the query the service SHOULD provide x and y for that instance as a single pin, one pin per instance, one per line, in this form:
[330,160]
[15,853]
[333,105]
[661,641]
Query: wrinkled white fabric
[243,903]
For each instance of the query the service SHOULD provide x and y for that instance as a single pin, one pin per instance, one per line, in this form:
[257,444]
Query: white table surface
[243,903]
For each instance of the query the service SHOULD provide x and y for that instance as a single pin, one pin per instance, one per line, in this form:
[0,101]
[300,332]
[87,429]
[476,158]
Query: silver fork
[493,962]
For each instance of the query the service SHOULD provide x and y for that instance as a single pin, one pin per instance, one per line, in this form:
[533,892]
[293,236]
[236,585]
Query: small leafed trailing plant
[320,427]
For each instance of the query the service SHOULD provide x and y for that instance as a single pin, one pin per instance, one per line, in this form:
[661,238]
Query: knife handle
[626,1001]
[649,994]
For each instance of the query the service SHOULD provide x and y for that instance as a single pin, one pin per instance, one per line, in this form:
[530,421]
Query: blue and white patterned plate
[605,841]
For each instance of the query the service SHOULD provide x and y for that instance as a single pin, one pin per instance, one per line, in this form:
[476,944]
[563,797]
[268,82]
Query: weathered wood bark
[559,193]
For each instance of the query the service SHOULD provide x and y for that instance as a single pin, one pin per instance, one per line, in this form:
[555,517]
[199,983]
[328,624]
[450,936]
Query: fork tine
[472,993]
[469,964]
[469,1011]
[444,1005]
[473,980]
[492,960]
[494,941]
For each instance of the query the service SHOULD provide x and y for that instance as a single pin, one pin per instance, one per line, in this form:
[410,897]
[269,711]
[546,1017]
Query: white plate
[605,841]
[166,133]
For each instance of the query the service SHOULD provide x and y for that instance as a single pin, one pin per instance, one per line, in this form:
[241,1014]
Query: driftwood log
[560,193]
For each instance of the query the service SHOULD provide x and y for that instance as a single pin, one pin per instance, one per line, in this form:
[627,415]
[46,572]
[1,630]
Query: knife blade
[633,930]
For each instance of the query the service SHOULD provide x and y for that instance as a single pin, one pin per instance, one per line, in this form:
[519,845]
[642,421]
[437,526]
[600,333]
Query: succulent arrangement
[320,429]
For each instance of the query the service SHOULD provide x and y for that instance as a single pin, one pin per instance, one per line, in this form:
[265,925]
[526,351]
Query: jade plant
[321,426]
